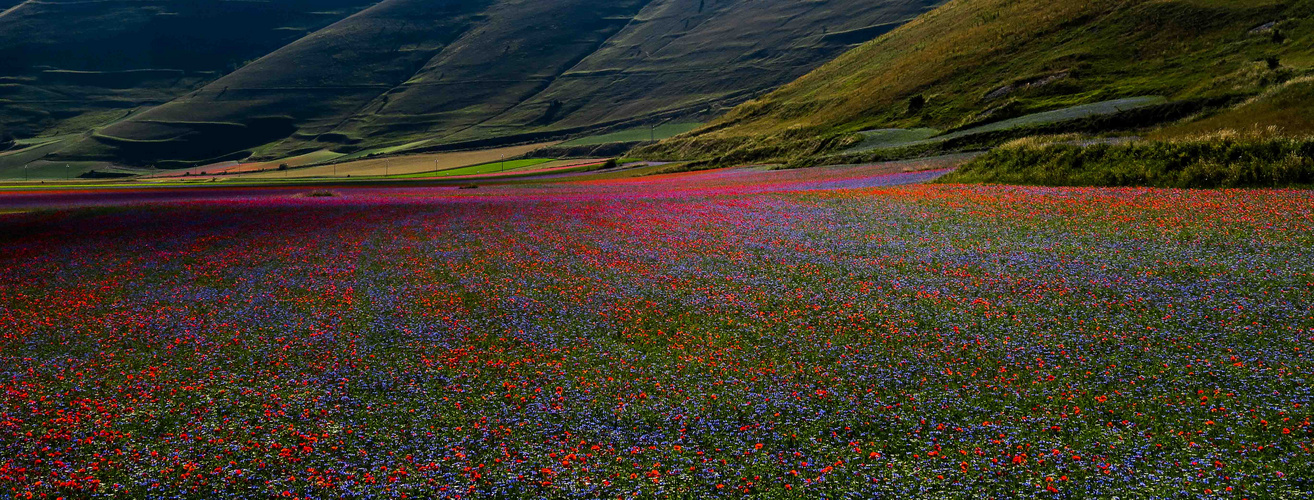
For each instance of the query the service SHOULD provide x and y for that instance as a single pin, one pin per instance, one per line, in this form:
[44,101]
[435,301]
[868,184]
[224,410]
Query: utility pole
[652,129]
[25,176]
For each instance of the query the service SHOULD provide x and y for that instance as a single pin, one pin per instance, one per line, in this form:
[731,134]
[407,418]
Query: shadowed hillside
[687,56]
[515,50]
[310,85]
[70,65]
[441,72]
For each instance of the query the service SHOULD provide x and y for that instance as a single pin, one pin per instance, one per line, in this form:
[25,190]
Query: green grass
[637,134]
[892,138]
[904,138]
[312,158]
[1217,162]
[86,121]
[37,141]
[46,170]
[898,143]
[12,163]
[1288,108]
[523,173]
[382,151]
[1073,113]
[484,168]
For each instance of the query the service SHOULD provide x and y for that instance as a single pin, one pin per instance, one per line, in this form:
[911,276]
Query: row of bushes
[1209,162]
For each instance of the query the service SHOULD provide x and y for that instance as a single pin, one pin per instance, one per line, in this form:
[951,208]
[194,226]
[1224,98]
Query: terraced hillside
[69,65]
[438,73]
[971,65]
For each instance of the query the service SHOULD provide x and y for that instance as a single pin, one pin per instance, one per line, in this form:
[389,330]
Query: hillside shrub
[916,104]
[1224,160]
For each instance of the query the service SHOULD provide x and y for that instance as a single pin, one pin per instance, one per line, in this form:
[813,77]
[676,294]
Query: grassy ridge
[1220,161]
[976,62]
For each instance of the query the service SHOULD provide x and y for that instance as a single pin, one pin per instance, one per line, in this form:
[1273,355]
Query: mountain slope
[310,84]
[688,55]
[466,71]
[518,48]
[974,62]
[70,64]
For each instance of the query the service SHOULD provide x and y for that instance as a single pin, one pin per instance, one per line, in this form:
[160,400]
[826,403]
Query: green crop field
[485,168]
[636,134]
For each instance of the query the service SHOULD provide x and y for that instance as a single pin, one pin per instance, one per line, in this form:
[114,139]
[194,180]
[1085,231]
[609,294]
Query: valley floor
[825,332]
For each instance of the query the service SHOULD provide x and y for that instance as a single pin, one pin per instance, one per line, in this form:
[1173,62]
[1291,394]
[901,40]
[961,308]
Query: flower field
[760,334]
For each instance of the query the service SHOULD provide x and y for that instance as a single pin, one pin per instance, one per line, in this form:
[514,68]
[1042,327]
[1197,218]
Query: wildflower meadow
[735,333]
